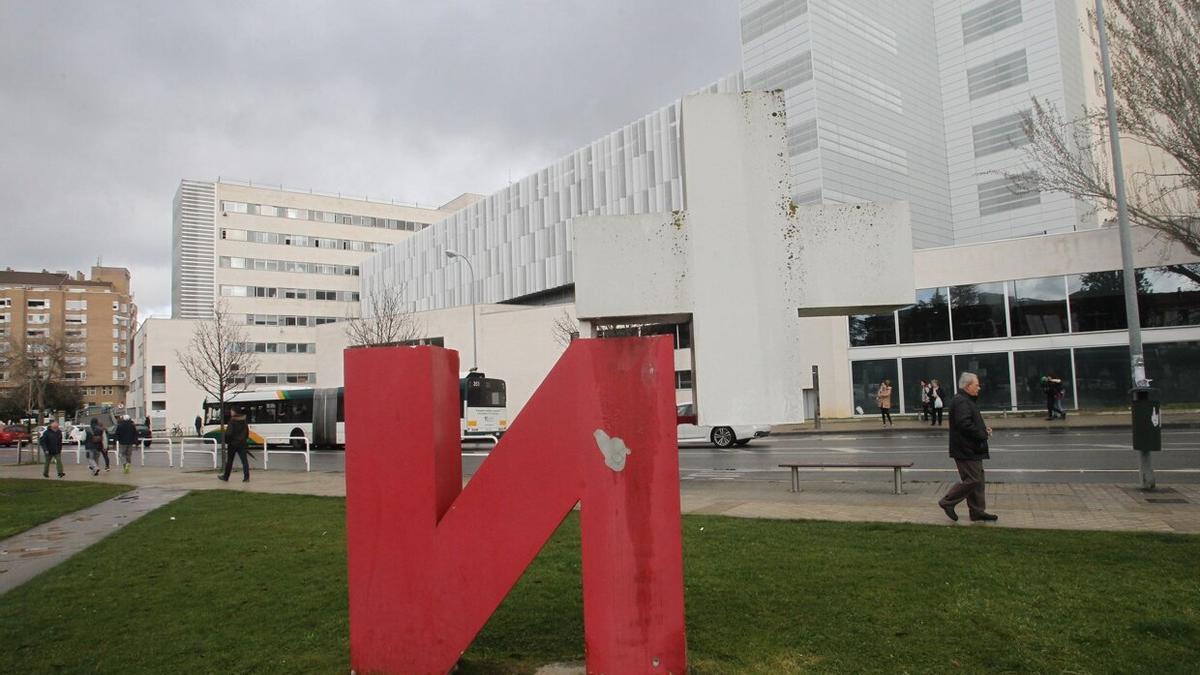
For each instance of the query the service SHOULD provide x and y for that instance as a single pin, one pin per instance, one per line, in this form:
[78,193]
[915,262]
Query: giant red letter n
[430,561]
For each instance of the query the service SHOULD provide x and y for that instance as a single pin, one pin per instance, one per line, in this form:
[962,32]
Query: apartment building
[281,262]
[78,327]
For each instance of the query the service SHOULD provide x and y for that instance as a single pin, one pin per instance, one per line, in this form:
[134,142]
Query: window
[1175,367]
[998,135]
[37,333]
[75,319]
[233,235]
[989,18]
[977,311]
[683,379]
[784,75]
[1005,194]
[5,318]
[233,291]
[997,75]
[118,375]
[924,368]
[1102,377]
[234,207]
[995,392]
[865,378]
[37,318]
[158,406]
[5,302]
[37,304]
[1169,296]
[1038,306]
[75,305]
[872,329]
[1031,367]
[928,320]
[1093,297]
[75,333]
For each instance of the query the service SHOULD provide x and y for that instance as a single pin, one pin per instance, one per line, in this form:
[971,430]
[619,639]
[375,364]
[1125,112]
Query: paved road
[1099,456]
[1026,456]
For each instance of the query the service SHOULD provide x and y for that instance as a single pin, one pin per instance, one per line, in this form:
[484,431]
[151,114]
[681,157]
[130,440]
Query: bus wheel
[297,439]
[723,437]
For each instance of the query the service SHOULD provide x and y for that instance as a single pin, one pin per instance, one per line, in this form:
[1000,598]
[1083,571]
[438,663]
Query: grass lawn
[25,503]
[256,583]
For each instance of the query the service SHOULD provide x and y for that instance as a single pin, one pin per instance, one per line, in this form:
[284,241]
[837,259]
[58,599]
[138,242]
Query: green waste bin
[1147,425]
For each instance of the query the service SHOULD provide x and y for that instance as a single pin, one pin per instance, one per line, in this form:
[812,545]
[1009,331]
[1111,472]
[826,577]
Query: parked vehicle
[720,436]
[13,434]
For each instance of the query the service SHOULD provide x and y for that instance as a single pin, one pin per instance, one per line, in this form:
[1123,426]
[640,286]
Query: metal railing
[170,451]
[208,446]
[307,452]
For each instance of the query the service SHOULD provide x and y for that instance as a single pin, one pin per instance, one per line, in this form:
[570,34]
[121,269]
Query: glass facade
[1175,369]
[872,329]
[928,320]
[1102,376]
[918,368]
[866,377]
[1093,298]
[1169,296]
[995,389]
[977,311]
[1030,367]
[1038,306]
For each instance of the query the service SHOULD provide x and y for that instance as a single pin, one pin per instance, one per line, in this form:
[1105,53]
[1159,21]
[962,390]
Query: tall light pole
[474,333]
[1137,361]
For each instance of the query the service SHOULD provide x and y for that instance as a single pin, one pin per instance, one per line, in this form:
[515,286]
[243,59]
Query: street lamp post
[474,333]
[1136,360]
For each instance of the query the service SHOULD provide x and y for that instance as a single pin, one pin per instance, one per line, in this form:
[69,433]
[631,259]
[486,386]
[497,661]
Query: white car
[722,437]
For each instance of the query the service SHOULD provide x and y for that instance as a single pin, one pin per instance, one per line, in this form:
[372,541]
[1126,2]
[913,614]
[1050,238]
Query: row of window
[278,347]
[1093,377]
[321,216]
[1077,303]
[288,293]
[681,333]
[295,266]
[284,239]
[279,378]
[69,305]
[287,320]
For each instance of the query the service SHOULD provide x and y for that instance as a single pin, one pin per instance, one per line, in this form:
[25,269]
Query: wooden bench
[896,467]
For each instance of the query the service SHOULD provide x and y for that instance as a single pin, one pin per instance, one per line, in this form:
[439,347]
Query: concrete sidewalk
[1172,419]
[1029,505]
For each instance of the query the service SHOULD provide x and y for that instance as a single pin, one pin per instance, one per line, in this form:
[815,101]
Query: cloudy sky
[105,106]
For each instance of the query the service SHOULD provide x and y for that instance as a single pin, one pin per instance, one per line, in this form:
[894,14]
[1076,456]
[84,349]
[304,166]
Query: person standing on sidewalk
[237,434]
[924,387]
[884,398]
[51,442]
[937,403]
[199,425]
[94,444]
[127,437]
[969,447]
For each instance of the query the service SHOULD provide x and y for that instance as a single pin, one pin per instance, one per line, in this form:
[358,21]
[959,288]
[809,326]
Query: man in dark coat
[96,438]
[51,442]
[237,435]
[969,447]
[127,437]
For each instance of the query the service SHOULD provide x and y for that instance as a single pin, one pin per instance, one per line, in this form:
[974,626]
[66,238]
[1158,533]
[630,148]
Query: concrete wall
[155,344]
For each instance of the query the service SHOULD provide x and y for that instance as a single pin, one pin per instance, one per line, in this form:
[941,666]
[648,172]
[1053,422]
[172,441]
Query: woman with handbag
[937,403]
[884,398]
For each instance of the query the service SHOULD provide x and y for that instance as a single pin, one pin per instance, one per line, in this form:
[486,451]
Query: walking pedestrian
[883,396]
[96,439]
[969,447]
[199,425]
[1060,392]
[924,393]
[51,443]
[937,402]
[237,434]
[127,437]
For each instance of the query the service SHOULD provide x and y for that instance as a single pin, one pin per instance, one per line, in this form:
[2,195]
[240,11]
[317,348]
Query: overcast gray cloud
[104,107]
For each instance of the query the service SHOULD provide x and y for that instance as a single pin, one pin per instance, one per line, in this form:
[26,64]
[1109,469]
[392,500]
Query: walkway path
[1094,506]
[34,551]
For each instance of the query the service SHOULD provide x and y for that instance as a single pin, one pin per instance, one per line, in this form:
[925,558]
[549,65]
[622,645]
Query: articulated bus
[315,414]
[319,414]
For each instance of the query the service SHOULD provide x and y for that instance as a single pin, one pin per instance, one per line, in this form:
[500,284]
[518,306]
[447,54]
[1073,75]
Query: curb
[893,430]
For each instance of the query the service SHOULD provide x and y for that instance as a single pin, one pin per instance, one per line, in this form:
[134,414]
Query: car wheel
[723,437]
[741,442]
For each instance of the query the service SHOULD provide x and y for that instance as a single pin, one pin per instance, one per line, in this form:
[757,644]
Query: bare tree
[1155,48]
[565,328]
[387,320]
[218,358]
[34,366]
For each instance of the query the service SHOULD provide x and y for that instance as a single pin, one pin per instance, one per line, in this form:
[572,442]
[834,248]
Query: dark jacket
[95,438]
[126,432]
[51,441]
[968,433]
[237,432]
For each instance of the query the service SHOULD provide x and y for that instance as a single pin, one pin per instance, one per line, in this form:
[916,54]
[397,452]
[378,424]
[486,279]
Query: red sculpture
[429,560]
